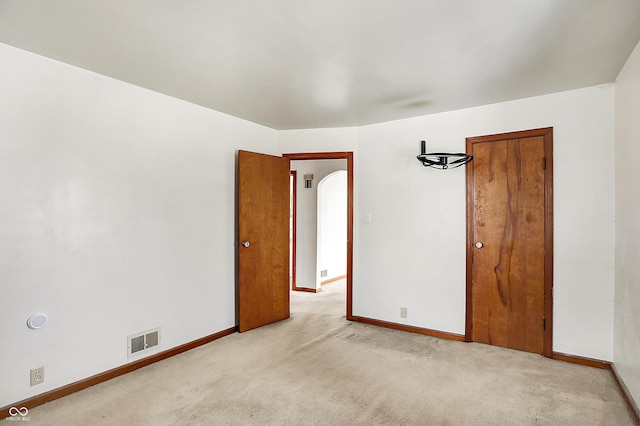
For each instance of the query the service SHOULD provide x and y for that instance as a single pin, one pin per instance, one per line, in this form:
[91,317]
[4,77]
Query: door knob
[479,244]
[245,244]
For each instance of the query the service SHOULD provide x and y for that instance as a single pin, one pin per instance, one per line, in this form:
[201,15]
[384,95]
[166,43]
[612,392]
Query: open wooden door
[263,246]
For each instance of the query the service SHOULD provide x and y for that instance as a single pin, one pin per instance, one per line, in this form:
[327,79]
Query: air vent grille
[142,342]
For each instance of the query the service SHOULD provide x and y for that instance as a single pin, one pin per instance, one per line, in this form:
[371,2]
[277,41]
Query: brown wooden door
[509,209]
[263,246]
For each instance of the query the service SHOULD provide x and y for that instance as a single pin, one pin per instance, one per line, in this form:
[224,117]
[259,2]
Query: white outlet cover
[36,321]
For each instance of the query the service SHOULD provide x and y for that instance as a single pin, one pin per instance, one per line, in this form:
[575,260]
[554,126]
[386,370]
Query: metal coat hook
[442,160]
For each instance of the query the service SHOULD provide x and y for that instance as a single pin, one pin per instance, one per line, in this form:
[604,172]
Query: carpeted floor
[318,369]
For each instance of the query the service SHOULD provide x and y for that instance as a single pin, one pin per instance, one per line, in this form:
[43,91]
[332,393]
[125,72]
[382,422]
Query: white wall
[332,225]
[319,140]
[307,217]
[627,287]
[412,254]
[117,216]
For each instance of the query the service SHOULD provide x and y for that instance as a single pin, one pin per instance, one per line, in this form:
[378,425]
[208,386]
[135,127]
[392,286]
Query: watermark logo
[19,414]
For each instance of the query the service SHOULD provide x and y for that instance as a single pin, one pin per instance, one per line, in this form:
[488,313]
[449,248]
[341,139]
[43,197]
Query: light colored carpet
[319,369]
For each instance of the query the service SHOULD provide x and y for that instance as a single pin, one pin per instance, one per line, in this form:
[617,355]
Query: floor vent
[142,342]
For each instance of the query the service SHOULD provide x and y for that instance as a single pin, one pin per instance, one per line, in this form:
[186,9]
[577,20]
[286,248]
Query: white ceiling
[309,63]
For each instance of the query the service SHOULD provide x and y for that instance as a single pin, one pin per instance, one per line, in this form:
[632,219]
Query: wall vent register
[142,342]
[307,181]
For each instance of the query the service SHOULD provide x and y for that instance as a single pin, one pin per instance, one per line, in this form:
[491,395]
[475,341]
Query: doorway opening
[307,270]
[331,254]
[318,234]
[293,182]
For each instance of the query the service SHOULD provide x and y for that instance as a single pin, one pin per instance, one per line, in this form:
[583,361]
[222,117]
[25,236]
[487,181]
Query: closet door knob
[245,244]
[479,244]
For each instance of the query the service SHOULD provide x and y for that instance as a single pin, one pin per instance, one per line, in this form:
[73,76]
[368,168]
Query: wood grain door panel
[508,215]
[263,222]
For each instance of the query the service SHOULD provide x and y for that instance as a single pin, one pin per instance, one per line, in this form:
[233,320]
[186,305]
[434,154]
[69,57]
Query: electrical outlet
[403,312]
[37,376]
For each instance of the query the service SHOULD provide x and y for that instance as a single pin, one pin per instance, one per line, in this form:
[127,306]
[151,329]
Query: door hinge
[544,323]
[544,163]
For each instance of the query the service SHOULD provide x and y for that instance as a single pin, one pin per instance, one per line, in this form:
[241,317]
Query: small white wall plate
[36,321]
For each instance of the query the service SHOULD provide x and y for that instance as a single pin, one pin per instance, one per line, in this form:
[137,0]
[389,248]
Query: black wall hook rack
[442,160]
